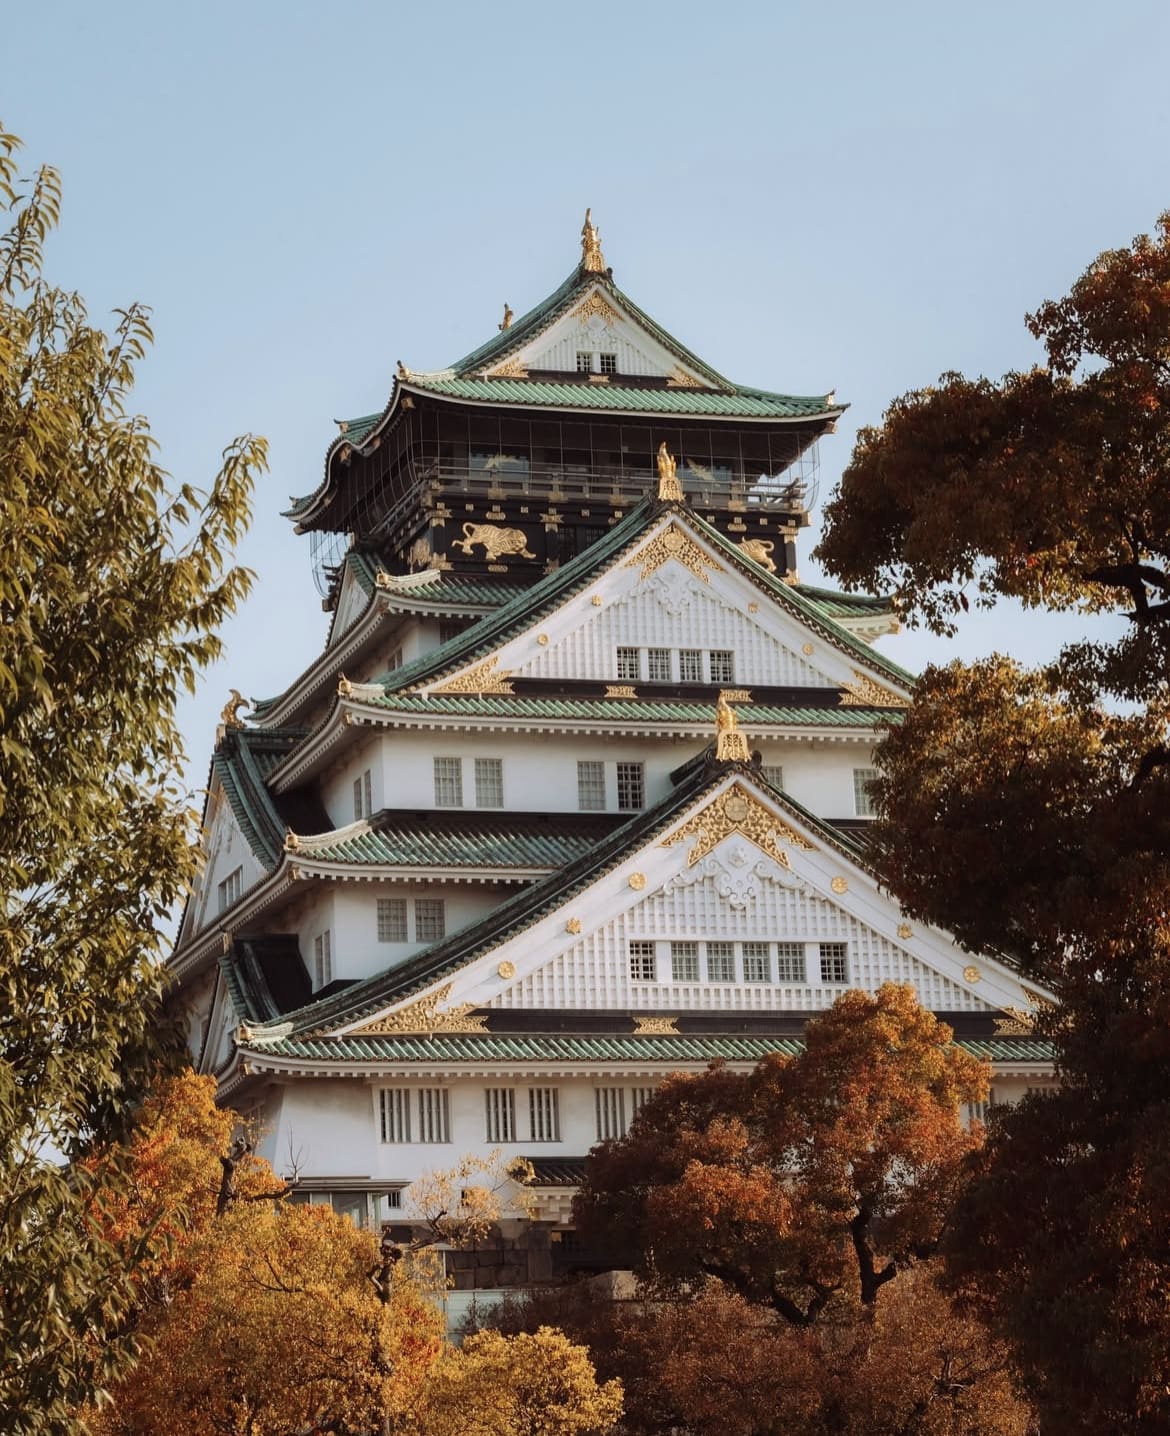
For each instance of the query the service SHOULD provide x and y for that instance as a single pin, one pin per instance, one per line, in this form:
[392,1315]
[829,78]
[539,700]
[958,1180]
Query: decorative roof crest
[668,484]
[424,1016]
[592,258]
[863,692]
[730,744]
[230,717]
[737,811]
[673,542]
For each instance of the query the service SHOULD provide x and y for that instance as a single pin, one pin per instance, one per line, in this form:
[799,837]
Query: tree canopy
[113,584]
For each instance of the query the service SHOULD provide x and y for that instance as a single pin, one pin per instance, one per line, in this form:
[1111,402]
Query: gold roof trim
[424,1016]
[737,811]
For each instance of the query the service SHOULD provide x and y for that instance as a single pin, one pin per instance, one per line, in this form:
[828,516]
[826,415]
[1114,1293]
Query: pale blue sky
[812,196]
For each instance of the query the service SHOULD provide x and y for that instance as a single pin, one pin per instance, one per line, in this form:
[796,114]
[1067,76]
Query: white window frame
[434,1115]
[228,892]
[632,777]
[721,666]
[690,659]
[393,920]
[322,960]
[489,782]
[659,665]
[628,664]
[363,795]
[684,961]
[499,1114]
[394,1106]
[435,915]
[760,952]
[544,1114]
[720,953]
[863,803]
[590,785]
[773,773]
[448,773]
[642,957]
[830,954]
[609,1113]
[791,965]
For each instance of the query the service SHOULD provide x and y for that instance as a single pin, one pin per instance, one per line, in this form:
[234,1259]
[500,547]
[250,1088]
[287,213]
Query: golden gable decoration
[596,306]
[1017,1023]
[673,542]
[509,369]
[863,692]
[655,1026]
[424,1016]
[483,678]
[680,379]
[737,811]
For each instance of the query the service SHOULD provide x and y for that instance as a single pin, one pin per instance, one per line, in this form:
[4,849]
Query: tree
[112,587]
[260,1316]
[537,1384]
[807,1183]
[1027,810]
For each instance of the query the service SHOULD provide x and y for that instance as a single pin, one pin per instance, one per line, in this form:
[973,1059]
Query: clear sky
[855,196]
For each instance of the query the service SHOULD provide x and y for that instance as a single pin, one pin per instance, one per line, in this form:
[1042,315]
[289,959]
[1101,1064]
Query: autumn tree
[1027,810]
[807,1183]
[113,584]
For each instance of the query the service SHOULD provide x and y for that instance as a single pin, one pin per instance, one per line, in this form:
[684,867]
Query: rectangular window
[863,804]
[450,628]
[394,1109]
[609,1107]
[757,964]
[229,890]
[434,1115]
[448,782]
[430,919]
[790,962]
[322,959]
[720,962]
[363,795]
[608,363]
[392,920]
[584,362]
[690,665]
[658,665]
[684,961]
[976,1111]
[489,783]
[639,1096]
[500,1105]
[774,774]
[395,660]
[544,1114]
[834,962]
[631,786]
[721,663]
[591,786]
[642,962]
[627,665]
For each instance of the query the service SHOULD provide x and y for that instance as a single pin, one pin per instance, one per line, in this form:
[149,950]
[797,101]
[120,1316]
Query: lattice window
[790,962]
[489,783]
[448,782]
[430,919]
[434,1115]
[609,1109]
[639,1096]
[721,663]
[322,959]
[863,803]
[628,669]
[608,363]
[544,1114]
[392,920]
[584,362]
[500,1108]
[684,961]
[658,665]
[394,1114]
[591,786]
[757,965]
[631,786]
[363,795]
[229,890]
[642,968]
[834,962]
[773,773]
[690,665]
[720,962]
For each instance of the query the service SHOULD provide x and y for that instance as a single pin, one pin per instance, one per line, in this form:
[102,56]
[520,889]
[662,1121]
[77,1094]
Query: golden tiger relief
[496,541]
[759,551]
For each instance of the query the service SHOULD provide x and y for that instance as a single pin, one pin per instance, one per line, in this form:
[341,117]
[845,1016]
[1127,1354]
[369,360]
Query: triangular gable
[353,598]
[737,865]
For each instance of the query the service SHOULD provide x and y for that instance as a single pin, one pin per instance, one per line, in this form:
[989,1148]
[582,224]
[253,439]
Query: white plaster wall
[820,776]
[337,783]
[226,849]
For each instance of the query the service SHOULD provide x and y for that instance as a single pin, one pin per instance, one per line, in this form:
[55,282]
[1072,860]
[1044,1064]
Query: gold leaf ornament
[425,1016]
[737,811]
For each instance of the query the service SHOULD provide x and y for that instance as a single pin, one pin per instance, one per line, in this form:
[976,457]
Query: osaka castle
[575,794]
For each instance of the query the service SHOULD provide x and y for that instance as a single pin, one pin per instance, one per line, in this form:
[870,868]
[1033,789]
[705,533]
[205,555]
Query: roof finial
[730,744]
[592,258]
[506,322]
[668,484]
[230,717]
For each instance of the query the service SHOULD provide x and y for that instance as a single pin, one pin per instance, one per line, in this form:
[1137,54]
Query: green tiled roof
[586,1047]
[699,403]
[242,761]
[624,710]
[501,840]
[462,590]
[844,605]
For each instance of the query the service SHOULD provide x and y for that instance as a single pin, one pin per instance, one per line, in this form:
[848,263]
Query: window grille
[500,1104]
[609,1108]
[658,665]
[229,890]
[584,362]
[393,1198]
[721,662]
[392,920]
[363,795]
[976,1111]
[639,1096]
[590,786]
[773,773]
[489,783]
[631,786]
[834,962]
[627,665]
[757,965]
[394,1111]
[720,962]
[448,782]
[322,959]
[684,961]
[642,962]
[790,962]
[544,1114]
[690,665]
[430,919]
[450,628]
[434,1116]
[608,363]
[863,803]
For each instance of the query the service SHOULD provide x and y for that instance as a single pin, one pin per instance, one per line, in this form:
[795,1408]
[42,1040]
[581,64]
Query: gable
[226,853]
[352,602]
